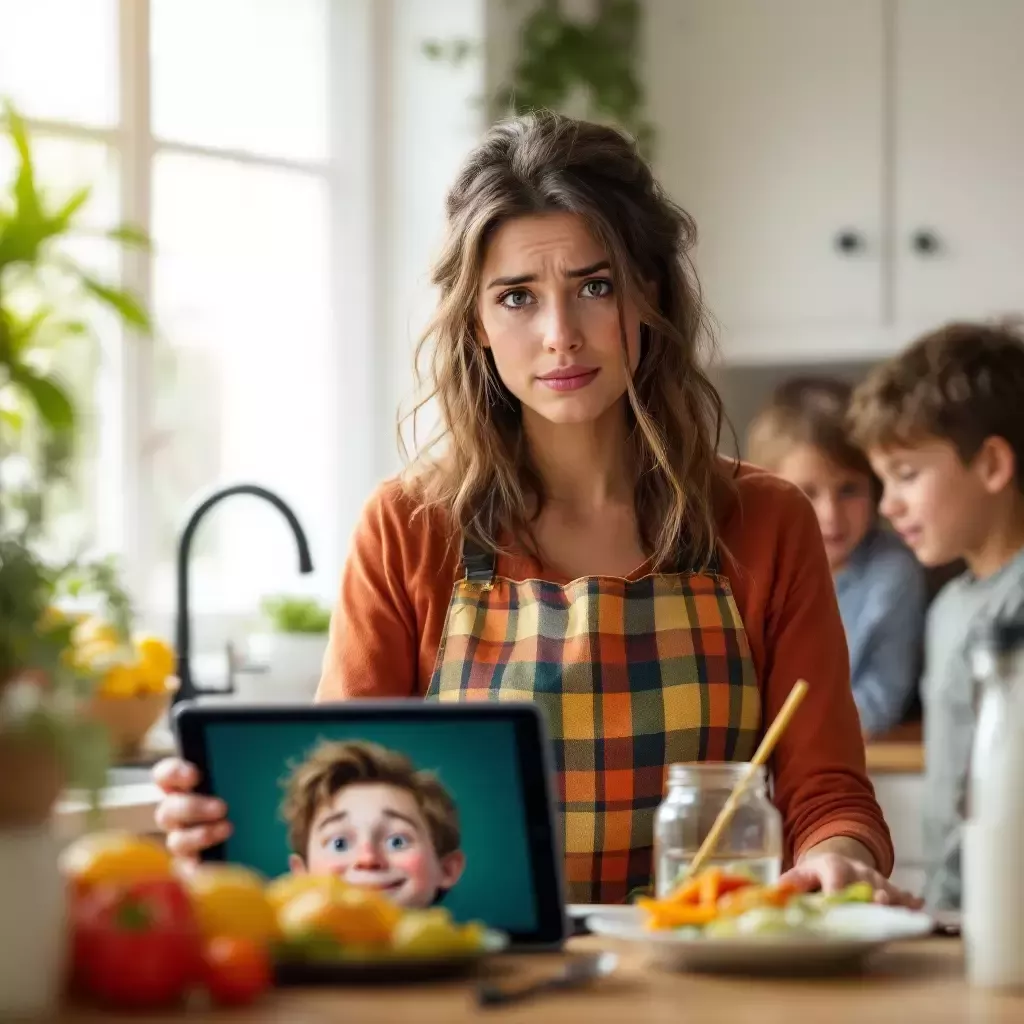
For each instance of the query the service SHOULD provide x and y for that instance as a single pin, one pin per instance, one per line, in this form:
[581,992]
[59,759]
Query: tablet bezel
[190,720]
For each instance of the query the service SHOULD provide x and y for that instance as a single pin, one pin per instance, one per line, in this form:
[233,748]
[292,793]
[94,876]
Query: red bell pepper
[136,946]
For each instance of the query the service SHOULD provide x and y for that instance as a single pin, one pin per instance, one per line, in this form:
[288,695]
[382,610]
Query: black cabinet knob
[925,242]
[849,242]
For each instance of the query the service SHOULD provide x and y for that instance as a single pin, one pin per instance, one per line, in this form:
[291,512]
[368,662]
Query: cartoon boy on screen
[364,813]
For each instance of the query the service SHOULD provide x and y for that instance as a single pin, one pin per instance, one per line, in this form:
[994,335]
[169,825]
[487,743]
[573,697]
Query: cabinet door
[959,135]
[770,133]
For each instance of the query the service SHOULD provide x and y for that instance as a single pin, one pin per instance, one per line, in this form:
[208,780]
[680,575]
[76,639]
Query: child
[801,436]
[943,425]
[364,813]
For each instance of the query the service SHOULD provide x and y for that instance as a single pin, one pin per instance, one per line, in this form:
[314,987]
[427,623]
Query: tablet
[473,831]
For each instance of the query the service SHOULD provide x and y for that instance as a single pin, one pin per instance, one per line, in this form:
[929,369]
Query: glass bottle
[992,849]
[752,842]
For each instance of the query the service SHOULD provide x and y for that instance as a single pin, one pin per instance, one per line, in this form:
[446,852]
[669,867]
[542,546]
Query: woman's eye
[515,299]
[398,842]
[599,288]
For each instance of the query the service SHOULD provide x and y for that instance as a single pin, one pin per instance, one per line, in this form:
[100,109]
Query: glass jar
[751,842]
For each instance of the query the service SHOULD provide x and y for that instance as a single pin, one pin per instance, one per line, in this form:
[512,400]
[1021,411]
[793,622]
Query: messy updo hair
[477,468]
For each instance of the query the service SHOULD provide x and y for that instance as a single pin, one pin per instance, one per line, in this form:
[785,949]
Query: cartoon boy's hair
[962,383]
[331,766]
[806,411]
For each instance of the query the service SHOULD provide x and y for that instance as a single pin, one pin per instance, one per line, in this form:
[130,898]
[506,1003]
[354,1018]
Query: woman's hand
[192,823]
[832,872]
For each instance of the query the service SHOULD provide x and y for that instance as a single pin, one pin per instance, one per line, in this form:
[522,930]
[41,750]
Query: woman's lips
[568,380]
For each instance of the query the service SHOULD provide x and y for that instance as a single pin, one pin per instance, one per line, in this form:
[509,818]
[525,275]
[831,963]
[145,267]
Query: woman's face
[547,311]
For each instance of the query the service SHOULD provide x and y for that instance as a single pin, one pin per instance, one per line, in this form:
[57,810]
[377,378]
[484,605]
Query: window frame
[357,63]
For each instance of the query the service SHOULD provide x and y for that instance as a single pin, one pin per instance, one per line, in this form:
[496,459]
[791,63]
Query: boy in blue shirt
[801,436]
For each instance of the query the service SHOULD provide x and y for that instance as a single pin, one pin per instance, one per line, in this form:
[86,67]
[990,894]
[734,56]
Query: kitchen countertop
[900,751]
[922,980]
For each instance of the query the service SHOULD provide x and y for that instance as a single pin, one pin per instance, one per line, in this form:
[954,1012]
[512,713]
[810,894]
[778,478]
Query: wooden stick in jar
[771,737]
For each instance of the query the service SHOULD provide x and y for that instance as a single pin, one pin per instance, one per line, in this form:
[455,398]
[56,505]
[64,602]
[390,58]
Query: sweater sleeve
[372,646]
[820,777]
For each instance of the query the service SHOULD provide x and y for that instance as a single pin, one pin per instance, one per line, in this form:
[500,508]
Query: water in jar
[751,844]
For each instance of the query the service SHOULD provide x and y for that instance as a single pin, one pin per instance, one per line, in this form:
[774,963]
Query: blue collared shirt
[883,599]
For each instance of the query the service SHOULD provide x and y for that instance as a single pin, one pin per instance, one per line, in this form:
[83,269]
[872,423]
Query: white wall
[433,118]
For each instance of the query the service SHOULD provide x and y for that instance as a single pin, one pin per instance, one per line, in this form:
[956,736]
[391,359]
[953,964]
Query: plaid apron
[632,676]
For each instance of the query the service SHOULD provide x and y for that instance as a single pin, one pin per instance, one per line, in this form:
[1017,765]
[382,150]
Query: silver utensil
[575,974]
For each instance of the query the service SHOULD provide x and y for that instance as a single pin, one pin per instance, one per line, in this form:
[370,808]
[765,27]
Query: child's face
[937,503]
[375,835]
[841,498]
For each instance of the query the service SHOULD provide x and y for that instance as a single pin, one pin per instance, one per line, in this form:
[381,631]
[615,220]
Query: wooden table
[916,983]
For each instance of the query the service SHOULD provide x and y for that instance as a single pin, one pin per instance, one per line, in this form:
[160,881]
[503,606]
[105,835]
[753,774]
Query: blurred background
[853,166]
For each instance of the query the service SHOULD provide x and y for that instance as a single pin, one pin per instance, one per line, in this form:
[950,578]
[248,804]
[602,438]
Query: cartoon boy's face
[373,834]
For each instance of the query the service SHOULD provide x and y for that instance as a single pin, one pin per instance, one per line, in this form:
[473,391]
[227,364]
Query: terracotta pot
[31,780]
[128,719]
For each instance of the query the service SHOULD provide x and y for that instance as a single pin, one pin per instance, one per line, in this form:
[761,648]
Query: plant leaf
[61,220]
[129,234]
[123,302]
[51,399]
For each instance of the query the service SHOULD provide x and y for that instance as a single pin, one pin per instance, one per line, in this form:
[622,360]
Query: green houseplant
[291,650]
[46,742]
[562,60]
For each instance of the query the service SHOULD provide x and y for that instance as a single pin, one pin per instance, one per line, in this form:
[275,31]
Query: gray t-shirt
[964,607]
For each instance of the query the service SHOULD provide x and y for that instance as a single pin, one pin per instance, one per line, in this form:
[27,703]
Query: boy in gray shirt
[943,427]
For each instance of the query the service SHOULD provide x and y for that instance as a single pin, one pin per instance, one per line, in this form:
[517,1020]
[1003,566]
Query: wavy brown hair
[477,467]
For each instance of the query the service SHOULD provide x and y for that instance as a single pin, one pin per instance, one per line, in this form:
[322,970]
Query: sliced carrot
[665,916]
[731,883]
[710,886]
[687,894]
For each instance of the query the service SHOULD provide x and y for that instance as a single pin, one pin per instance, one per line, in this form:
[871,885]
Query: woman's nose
[561,329]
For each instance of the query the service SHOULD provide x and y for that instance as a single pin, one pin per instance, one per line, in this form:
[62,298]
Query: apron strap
[478,562]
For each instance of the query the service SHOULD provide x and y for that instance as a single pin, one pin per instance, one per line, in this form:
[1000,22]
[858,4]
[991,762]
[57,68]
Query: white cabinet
[855,167]
[959,158]
[770,121]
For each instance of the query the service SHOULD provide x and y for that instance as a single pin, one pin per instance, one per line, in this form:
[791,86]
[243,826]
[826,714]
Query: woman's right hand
[191,822]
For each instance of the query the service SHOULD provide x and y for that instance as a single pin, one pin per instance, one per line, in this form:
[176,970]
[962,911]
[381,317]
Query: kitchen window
[210,124]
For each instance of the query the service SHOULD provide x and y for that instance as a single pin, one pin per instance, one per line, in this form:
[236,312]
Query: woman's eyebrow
[509,282]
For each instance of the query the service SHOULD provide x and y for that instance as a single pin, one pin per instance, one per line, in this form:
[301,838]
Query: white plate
[854,931]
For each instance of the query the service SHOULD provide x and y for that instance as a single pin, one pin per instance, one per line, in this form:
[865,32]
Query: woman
[658,602]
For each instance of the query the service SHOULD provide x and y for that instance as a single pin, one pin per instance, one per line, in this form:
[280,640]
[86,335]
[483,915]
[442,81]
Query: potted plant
[47,743]
[292,651]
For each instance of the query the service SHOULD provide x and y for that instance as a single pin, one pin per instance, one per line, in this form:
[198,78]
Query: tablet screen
[433,809]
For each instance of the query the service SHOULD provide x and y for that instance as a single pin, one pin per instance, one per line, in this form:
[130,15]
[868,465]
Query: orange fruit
[285,888]
[351,917]
[115,856]
[232,900]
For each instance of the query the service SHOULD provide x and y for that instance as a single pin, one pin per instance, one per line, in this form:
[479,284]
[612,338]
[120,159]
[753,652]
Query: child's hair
[806,411]
[962,383]
[332,766]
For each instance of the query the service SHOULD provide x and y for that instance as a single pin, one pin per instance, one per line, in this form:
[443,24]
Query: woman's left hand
[831,872]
